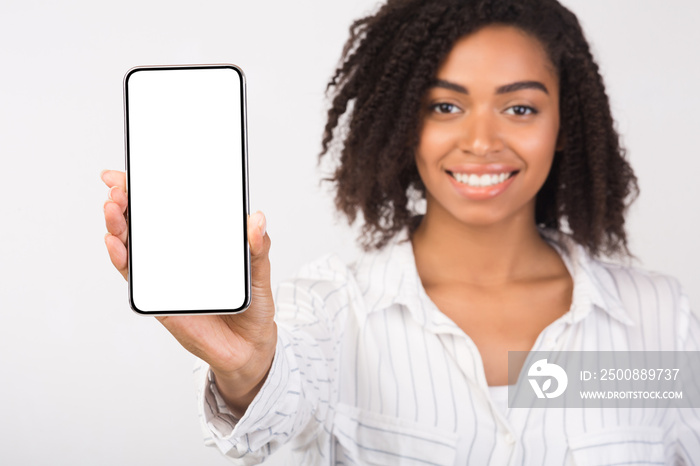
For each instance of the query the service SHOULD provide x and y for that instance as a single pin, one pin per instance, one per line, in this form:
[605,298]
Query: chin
[479,217]
[481,214]
[485,217]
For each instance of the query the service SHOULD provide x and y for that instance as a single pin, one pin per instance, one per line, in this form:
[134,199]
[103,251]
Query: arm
[687,422]
[294,403]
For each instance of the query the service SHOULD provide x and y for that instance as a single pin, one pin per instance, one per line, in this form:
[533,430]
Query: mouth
[484,180]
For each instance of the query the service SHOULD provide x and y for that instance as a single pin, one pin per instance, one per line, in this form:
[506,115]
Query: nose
[479,134]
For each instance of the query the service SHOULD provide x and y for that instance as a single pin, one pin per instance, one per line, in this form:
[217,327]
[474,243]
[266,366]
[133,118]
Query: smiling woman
[590,184]
[482,166]
[490,114]
[494,113]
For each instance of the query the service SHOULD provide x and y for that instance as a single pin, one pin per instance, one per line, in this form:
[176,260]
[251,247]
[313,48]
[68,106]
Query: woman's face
[489,128]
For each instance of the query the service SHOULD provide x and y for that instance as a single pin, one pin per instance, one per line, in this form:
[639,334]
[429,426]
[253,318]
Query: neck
[482,255]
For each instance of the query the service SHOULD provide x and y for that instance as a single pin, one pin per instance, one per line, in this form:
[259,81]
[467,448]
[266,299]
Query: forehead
[497,54]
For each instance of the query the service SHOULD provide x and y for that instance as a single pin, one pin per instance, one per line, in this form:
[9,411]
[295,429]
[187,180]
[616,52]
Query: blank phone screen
[186,183]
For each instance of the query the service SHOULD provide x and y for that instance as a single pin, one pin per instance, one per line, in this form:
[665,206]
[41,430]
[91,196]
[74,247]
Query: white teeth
[484,180]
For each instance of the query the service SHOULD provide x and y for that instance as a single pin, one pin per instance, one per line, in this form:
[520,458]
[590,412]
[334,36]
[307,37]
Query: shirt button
[509,438]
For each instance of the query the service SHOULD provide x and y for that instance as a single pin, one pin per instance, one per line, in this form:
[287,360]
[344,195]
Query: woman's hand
[238,348]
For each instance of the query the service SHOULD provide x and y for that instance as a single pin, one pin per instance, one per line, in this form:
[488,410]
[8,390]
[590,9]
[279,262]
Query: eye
[444,107]
[521,110]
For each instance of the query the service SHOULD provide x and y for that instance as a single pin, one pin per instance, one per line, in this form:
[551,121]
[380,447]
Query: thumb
[259,242]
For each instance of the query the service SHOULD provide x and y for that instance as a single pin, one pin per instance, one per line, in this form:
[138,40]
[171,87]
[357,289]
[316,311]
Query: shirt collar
[593,284]
[389,276]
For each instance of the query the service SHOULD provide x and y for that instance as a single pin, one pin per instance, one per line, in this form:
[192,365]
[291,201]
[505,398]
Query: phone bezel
[246,204]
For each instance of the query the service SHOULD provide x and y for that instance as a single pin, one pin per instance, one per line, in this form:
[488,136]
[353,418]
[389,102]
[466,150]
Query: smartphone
[186,172]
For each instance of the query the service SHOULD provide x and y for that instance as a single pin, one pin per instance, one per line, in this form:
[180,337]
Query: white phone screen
[186,182]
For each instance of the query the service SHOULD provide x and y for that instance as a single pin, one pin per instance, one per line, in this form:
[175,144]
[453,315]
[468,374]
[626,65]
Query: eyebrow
[512,87]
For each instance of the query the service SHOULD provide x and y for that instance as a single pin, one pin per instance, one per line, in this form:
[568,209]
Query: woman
[495,114]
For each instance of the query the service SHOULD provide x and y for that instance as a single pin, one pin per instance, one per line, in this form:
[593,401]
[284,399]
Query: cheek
[434,144]
[421,165]
[538,147]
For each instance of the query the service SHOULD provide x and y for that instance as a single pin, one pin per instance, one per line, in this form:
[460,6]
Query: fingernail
[109,193]
[262,224]
[102,174]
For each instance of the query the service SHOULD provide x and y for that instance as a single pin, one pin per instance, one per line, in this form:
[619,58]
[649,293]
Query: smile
[485,180]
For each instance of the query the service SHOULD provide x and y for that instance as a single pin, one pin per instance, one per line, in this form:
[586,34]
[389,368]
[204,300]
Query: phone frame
[246,203]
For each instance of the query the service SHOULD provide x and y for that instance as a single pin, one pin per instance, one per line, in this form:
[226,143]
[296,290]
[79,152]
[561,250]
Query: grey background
[85,381]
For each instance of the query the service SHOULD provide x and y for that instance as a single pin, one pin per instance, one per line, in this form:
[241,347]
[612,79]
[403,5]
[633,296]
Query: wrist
[239,388]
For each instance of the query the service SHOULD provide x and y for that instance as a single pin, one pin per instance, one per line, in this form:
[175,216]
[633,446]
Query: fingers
[117,254]
[115,219]
[115,206]
[114,209]
[114,178]
[117,195]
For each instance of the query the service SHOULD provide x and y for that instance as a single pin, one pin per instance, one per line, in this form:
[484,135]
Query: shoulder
[378,277]
[633,286]
[654,301]
[638,286]
[329,268]
[326,279]
[651,305]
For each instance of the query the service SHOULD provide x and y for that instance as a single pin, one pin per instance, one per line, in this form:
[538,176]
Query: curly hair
[389,63]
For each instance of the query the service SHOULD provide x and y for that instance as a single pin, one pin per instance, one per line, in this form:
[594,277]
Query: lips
[480,182]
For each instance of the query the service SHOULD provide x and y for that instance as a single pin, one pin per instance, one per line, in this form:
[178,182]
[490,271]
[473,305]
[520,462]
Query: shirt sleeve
[294,401]
[687,425]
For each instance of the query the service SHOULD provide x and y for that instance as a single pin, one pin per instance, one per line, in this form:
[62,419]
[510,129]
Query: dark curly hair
[387,66]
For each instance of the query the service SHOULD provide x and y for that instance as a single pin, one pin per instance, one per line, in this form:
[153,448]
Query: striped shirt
[369,371]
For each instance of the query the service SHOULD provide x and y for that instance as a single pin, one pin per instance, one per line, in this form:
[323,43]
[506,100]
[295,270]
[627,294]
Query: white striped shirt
[369,371]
